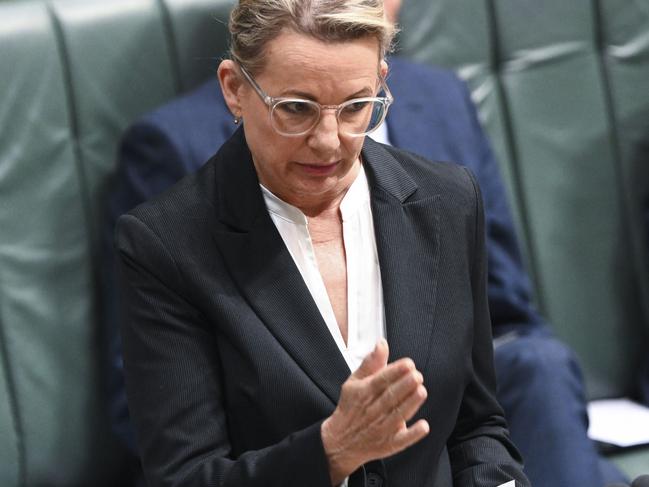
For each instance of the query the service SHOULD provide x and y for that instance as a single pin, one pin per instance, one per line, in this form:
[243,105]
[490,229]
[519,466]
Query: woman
[264,290]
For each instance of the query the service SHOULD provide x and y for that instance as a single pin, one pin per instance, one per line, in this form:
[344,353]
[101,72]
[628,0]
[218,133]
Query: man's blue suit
[540,385]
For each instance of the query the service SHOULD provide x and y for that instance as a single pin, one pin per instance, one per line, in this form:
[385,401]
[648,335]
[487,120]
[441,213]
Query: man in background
[539,382]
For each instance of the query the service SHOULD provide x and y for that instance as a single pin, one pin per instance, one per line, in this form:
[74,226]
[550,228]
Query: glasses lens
[295,116]
[361,116]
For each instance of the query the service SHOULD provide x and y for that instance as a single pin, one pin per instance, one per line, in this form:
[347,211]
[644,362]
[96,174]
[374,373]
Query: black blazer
[230,369]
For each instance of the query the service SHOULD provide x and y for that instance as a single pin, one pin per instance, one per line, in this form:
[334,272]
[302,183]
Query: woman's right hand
[369,422]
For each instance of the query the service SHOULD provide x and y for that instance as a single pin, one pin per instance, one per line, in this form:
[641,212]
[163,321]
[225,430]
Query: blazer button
[374,480]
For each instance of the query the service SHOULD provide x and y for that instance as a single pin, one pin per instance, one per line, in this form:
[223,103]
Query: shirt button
[374,480]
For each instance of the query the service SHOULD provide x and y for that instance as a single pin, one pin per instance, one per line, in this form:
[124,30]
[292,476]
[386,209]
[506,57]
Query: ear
[383,69]
[231,84]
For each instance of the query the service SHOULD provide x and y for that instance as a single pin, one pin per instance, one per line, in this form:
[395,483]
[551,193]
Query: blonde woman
[310,308]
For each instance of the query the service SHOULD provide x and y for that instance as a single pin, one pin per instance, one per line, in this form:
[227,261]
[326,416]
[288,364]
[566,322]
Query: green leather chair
[73,75]
[560,89]
[563,90]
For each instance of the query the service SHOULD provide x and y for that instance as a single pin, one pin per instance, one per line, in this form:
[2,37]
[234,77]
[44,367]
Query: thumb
[374,361]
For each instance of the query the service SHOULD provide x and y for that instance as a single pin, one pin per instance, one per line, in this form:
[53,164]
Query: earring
[237,120]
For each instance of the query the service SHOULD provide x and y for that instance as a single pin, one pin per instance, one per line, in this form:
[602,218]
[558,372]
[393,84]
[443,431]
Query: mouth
[319,169]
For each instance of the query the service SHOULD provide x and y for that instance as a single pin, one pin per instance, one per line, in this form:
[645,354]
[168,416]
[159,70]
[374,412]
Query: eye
[296,108]
[356,106]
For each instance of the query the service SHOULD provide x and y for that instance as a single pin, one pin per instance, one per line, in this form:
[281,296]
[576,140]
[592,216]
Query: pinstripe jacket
[230,369]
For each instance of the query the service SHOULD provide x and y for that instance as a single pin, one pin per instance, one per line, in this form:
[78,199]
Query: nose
[324,137]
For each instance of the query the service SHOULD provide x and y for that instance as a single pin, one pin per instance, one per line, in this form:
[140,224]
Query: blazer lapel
[407,238]
[266,275]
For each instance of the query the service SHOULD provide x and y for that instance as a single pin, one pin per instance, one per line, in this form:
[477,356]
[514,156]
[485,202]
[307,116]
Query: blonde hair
[254,23]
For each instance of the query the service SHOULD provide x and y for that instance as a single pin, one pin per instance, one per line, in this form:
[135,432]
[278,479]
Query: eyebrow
[308,96]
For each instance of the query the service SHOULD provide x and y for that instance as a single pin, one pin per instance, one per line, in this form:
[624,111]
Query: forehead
[297,60]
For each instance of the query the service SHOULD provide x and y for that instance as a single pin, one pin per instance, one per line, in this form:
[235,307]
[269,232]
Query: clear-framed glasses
[293,117]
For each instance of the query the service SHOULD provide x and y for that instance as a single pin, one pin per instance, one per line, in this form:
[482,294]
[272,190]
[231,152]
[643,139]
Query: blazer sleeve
[173,383]
[481,452]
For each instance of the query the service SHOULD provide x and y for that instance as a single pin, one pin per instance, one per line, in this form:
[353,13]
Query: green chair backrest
[563,90]
[73,75]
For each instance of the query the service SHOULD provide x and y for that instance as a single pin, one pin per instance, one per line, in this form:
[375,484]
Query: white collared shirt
[365,314]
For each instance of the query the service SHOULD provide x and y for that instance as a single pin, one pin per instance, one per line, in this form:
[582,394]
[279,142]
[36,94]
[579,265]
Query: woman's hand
[370,420]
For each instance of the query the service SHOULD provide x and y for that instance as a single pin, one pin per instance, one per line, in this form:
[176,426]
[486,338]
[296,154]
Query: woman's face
[314,169]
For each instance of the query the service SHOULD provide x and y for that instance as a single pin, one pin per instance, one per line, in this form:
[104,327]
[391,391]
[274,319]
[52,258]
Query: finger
[394,417]
[411,404]
[396,397]
[390,374]
[398,391]
[409,436]
[393,394]
[374,361]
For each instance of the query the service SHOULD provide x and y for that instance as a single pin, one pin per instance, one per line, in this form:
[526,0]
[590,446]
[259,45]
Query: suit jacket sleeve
[480,449]
[174,387]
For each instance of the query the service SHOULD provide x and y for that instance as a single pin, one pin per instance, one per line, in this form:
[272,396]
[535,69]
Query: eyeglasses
[293,117]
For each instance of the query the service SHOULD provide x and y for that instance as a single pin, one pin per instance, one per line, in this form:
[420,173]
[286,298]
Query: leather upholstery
[561,88]
[75,73]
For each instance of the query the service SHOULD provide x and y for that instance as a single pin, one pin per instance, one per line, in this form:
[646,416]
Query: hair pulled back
[254,23]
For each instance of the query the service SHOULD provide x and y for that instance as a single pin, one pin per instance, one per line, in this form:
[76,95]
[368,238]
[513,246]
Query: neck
[322,208]
[323,205]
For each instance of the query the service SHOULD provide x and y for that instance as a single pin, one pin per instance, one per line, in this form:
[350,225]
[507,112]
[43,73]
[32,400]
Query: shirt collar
[282,209]
[356,197]
[381,134]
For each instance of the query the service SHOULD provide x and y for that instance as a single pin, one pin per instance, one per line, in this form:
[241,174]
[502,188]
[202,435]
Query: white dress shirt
[365,314]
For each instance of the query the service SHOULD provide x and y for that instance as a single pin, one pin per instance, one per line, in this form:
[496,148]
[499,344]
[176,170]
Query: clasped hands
[369,422]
